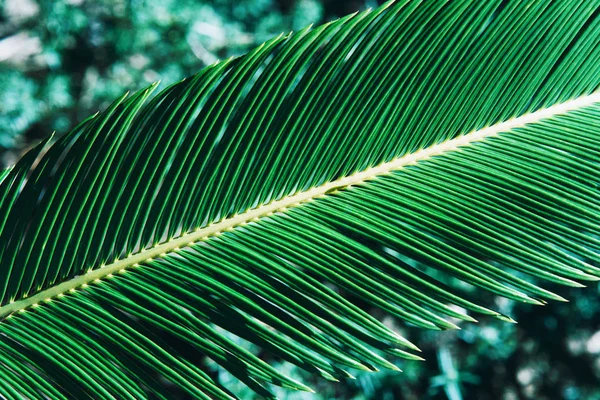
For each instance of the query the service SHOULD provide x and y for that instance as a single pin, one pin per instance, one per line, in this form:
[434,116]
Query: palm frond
[3,174]
[395,155]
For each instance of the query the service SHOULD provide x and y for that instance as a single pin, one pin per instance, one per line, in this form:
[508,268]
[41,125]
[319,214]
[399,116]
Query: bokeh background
[63,60]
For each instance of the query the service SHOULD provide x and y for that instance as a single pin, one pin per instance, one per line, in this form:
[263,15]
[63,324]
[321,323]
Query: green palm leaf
[399,156]
[3,173]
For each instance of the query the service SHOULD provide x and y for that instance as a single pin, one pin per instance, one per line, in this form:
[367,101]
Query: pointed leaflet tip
[295,385]
[406,343]
[394,368]
[588,275]
[387,364]
[363,367]
[576,284]
[531,300]
[450,325]
[468,318]
[415,348]
[404,354]
[556,297]
[327,375]
[506,318]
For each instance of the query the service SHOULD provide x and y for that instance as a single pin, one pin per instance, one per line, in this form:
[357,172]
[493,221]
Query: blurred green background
[62,60]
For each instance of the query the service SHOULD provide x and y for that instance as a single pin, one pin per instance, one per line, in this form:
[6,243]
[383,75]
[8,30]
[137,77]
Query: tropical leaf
[398,156]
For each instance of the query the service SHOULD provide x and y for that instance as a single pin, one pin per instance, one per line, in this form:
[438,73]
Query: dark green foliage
[70,59]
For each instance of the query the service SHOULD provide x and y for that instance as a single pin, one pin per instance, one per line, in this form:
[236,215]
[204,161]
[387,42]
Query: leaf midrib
[201,234]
